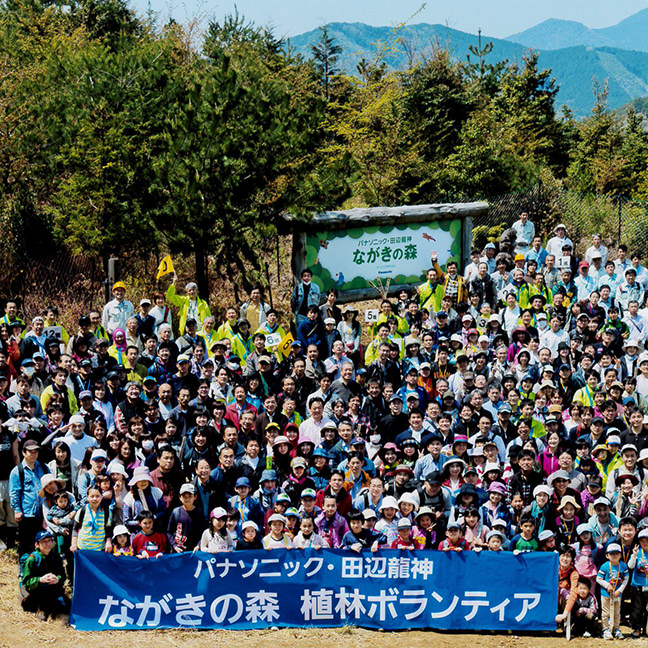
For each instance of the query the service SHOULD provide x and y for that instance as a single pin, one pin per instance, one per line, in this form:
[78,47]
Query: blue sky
[498,18]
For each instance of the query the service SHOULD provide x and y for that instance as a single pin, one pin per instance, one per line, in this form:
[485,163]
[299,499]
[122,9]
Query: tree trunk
[202,270]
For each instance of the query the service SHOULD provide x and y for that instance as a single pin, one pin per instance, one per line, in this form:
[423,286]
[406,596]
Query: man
[168,477]
[483,286]
[454,286]
[43,579]
[610,278]
[117,311]
[11,314]
[311,428]
[556,243]
[76,438]
[255,310]
[305,294]
[182,412]
[191,306]
[524,232]
[145,321]
[537,253]
[637,325]
[629,290]
[131,406]
[584,283]
[24,489]
[431,292]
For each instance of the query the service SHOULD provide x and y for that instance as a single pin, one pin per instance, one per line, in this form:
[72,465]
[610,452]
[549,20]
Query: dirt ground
[18,629]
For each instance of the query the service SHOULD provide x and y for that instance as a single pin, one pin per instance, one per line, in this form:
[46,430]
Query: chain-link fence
[77,283]
[616,218]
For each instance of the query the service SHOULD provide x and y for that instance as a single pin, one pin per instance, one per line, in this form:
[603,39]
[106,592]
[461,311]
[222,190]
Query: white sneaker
[3,546]
[586,635]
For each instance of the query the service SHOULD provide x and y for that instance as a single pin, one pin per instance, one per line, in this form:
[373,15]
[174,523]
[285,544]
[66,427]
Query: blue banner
[390,589]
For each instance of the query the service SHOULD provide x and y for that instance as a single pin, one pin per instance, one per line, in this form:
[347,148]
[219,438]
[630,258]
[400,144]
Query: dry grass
[18,629]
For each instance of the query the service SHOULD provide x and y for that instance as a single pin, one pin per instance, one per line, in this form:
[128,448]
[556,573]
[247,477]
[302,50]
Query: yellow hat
[119,284]
[519,257]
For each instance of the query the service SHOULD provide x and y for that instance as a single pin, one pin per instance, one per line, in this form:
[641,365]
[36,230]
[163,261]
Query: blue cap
[41,535]
[320,452]
[268,475]
[441,314]
[242,481]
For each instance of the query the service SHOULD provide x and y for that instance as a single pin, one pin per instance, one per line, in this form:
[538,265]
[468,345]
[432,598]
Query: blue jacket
[298,296]
[23,493]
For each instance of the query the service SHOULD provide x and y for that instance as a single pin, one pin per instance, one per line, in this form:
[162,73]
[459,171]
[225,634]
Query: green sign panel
[350,259]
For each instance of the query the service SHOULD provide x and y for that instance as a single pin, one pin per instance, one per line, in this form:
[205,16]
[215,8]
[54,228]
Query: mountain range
[580,58]
[554,34]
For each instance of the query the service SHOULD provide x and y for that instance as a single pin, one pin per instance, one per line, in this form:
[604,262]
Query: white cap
[276,517]
[120,529]
[77,418]
[389,502]
[187,488]
[543,489]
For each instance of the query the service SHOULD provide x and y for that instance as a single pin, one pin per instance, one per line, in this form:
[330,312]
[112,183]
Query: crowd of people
[504,408]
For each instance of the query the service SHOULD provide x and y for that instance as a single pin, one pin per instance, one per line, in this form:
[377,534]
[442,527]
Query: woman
[255,391]
[63,467]
[99,432]
[350,332]
[127,455]
[329,308]
[142,496]
[118,348]
[452,474]
[199,447]
[281,456]
[132,334]
[549,456]
[102,404]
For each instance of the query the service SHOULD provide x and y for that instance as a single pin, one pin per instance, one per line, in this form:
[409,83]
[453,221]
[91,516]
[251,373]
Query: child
[547,540]
[495,508]
[405,539]
[277,539]
[370,518]
[494,540]
[587,554]
[233,524]
[453,540]
[359,536]
[216,539]
[121,541]
[539,508]
[292,522]
[525,541]
[387,524]
[425,523]
[639,564]
[60,520]
[407,506]
[612,579]
[148,543]
[515,508]
[183,529]
[266,494]
[584,610]
[43,579]
[282,502]
[308,538]
[91,524]
[249,537]
[308,507]
[591,493]
[567,522]
[475,530]
[332,526]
